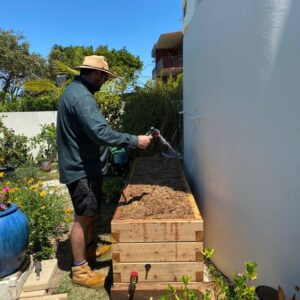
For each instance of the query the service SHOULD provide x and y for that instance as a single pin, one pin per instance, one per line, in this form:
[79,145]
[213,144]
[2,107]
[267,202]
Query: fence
[28,123]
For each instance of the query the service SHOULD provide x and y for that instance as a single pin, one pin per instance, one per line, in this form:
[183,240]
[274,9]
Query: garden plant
[45,142]
[14,149]
[240,289]
[158,104]
[44,209]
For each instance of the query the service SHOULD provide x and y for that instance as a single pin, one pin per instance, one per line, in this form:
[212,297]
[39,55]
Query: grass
[80,293]
[32,171]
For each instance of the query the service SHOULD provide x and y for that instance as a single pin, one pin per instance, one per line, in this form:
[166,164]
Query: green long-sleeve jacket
[83,134]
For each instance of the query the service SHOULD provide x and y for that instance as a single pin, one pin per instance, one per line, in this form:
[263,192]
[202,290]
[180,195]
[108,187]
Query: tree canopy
[17,64]
[126,65]
[38,78]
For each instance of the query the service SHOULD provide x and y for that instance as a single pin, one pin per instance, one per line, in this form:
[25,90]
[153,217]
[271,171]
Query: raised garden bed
[157,222]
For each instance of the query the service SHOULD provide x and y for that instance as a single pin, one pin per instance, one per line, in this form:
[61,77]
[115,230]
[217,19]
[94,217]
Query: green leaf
[208,252]
[39,86]
[251,269]
[63,68]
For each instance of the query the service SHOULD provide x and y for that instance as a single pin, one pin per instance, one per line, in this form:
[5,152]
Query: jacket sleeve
[95,126]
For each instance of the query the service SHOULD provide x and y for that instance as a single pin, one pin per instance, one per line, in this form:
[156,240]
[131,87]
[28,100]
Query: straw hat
[95,62]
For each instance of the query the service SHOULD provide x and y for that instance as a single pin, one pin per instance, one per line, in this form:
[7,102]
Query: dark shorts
[86,195]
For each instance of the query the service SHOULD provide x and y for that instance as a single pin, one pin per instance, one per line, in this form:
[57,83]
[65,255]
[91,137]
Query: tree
[17,64]
[126,65]
[70,56]
[61,60]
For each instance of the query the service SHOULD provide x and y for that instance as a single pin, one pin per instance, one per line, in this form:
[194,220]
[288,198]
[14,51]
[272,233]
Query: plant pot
[8,170]
[266,293]
[14,237]
[45,165]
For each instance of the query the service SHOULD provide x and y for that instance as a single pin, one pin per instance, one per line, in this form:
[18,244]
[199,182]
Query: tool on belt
[168,150]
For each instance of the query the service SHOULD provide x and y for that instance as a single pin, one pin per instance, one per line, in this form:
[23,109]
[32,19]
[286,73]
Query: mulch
[156,189]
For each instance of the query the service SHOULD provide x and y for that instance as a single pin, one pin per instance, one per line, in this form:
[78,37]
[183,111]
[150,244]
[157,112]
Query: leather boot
[93,253]
[83,275]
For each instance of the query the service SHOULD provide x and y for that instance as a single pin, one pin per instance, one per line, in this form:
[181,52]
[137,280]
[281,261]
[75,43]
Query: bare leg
[79,236]
[90,232]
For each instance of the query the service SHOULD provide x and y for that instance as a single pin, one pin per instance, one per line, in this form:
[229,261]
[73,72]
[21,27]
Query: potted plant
[45,142]
[14,232]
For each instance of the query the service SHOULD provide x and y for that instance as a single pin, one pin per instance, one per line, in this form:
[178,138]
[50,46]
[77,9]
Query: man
[82,137]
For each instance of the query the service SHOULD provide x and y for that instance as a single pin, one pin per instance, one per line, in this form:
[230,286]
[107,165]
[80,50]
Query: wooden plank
[151,286]
[30,295]
[150,230]
[144,291]
[194,207]
[52,297]
[26,295]
[166,271]
[48,269]
[158,252]
[199,236]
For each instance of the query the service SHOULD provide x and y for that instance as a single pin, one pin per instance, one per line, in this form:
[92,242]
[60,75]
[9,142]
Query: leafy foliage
[17,64]
[45,102]
[110,102]
[185,294]
[71,56]
[38,86]
[45,212]
[224,289]
[45,141]
[158,104]
[122,62]
[14,149]
[42,86]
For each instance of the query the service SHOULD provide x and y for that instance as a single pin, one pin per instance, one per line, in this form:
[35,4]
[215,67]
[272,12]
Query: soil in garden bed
[156,190]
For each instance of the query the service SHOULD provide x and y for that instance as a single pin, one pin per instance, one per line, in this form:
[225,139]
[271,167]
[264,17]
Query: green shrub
[45,212]
[28,170]
[223,289]
[45,141]
[110,103]
[185,294]
[14,149]
[241,288]
[46,102]
[158,104]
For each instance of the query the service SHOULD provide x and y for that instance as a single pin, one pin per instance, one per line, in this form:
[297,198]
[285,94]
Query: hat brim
[112,75]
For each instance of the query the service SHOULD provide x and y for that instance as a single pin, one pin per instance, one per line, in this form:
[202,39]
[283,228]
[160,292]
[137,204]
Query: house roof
[168,40]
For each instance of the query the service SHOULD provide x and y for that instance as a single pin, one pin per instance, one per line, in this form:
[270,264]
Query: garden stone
[11,286]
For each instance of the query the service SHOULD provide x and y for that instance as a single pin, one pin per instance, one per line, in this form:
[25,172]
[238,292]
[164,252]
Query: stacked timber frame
[172,247]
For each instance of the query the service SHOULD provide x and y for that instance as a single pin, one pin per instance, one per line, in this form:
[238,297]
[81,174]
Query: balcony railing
[169,62]
[169,65]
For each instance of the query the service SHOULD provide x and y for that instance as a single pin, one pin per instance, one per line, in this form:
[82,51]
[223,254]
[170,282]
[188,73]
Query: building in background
[241,132]
[167,53]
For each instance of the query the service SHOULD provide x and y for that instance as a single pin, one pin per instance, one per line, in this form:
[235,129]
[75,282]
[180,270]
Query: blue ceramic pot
[14,236]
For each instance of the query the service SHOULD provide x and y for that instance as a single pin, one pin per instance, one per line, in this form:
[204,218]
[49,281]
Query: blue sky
[135,24]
